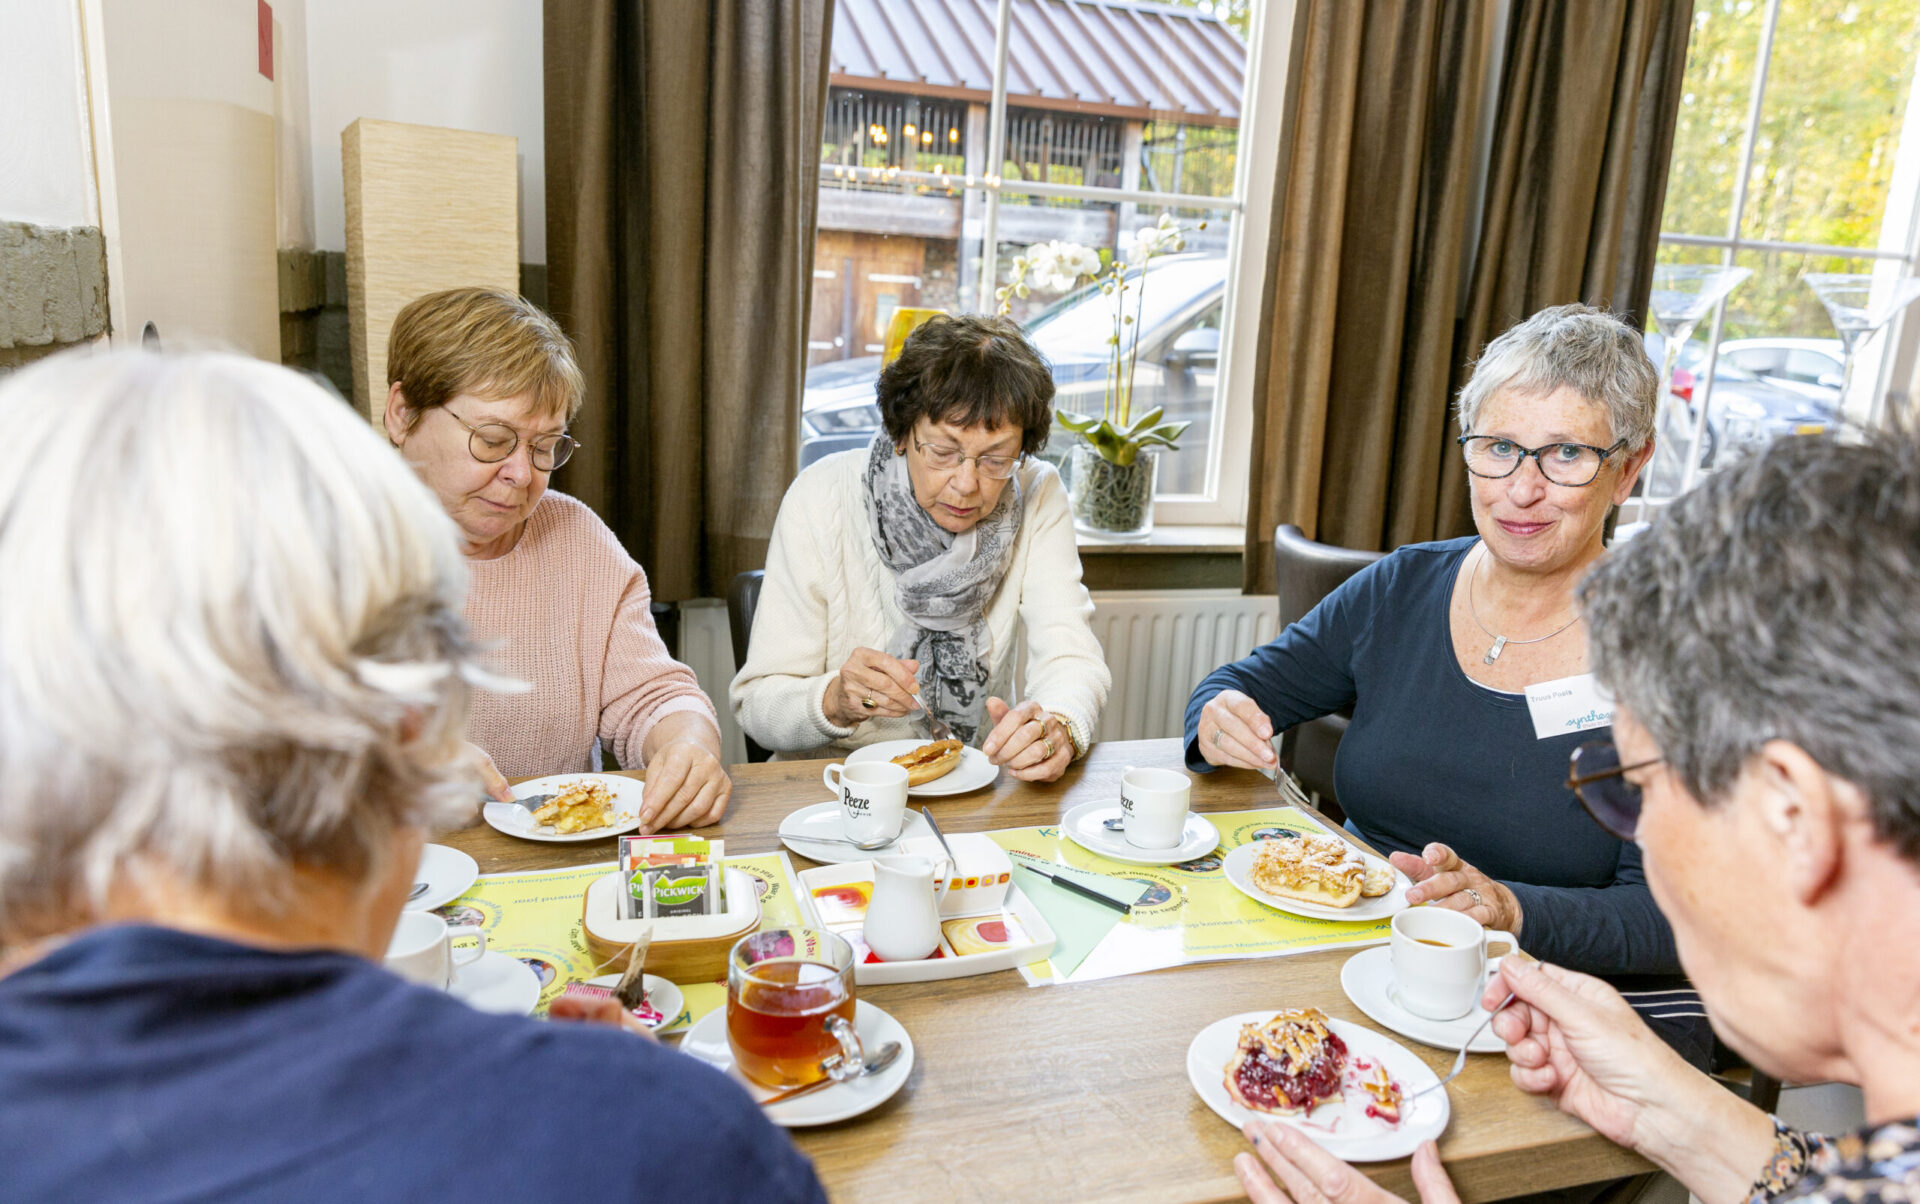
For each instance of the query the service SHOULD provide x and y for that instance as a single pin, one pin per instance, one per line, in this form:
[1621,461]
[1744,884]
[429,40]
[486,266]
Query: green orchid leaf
[1077,423]
[1146,420]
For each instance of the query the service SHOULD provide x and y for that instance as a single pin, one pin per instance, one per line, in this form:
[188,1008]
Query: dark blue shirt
[149,1064]
[1432,756]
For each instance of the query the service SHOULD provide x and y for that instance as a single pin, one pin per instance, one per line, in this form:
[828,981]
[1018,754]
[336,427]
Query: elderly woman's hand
[1035,745]
[1573,1039]
[687,785]
[575,1010]
[1440,877]
[1235,731]
[491,779]
[871,685]
[1303,1173]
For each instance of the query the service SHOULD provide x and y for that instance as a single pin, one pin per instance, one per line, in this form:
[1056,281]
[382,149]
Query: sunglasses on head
[1598,780]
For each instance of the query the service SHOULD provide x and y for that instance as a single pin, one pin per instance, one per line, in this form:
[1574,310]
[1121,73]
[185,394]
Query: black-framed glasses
[492,442]
[948,459]
[1599,781]
[1573,464]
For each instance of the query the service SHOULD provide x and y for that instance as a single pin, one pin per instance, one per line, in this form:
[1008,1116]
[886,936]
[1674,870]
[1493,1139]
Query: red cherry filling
[1266,1085]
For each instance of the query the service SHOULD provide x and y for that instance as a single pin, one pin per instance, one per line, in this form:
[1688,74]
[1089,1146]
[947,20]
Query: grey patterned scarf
[943,582]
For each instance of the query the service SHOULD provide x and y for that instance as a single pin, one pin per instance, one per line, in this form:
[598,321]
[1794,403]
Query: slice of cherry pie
[1291,1064]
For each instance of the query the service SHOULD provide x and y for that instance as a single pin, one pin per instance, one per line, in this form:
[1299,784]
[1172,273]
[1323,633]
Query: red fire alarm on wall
[266,39]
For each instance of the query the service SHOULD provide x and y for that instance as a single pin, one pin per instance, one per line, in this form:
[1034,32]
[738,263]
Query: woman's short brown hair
[484,341]
[969,370]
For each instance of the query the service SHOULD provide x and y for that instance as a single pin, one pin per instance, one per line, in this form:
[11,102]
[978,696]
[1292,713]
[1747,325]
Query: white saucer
[1367,978]
[1343,1129]
[497,982]
[517,821]
[707,1041]
[1084,825]
[1239,868]
[447,872]
[825,819]
[666,998]
[973,771]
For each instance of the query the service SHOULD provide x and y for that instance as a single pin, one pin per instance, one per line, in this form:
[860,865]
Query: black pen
[1028,863]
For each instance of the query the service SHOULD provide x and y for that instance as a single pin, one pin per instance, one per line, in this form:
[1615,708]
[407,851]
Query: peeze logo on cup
[1153,806]
[873,799]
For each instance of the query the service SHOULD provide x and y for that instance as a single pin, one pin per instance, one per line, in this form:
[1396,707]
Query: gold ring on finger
[1047,745]
[1475,896]
[868,702]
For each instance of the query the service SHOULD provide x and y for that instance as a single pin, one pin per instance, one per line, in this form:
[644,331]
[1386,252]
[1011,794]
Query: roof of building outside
[1114,57]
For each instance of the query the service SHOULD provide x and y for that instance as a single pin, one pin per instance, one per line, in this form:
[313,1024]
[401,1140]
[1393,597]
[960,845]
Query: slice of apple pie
[1316,869]
[1291,1064]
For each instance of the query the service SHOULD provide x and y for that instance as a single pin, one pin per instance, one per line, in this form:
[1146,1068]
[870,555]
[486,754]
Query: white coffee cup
[1440,961]
[422,949]
[873,798]
[1153,807]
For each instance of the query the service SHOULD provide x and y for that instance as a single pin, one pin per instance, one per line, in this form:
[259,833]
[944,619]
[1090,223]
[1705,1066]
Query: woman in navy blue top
[1448,767]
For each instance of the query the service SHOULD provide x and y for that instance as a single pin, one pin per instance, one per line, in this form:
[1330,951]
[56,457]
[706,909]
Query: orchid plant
[1057,266]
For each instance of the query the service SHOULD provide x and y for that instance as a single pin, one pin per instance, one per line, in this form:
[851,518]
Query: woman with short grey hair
[233,680]
[1763,640]
[1466,672]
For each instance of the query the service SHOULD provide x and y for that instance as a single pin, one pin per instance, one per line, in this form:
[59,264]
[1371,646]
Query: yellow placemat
[1191,913]
[536,917]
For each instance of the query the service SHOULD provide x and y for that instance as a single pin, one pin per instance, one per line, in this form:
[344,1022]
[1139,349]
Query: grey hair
[225,608]
[1579,347]
[1781,599]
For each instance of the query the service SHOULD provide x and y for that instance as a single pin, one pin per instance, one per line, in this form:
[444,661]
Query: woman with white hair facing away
[1467,672]
[1763,641]
[233,683]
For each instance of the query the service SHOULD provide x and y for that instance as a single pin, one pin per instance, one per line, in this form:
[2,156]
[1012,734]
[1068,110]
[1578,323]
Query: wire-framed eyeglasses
[492,442]
[1572,464]
[1599,781]
[948,459]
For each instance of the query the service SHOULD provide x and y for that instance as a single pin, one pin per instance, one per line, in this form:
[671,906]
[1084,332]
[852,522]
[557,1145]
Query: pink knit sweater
[566,609]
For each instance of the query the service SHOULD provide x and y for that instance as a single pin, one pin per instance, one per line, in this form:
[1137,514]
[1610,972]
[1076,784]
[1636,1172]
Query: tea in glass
[790,1007]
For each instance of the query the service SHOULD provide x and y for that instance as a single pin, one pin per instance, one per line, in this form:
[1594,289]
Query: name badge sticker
[1568,705]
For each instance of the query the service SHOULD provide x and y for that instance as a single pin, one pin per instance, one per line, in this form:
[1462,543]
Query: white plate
[447,872]
[825,820]
[973,771]
[1239,867]
[1342,1129]
[517,821]
[707,1041]
[498,982]
[1367,978]
[1085,826]
[666,998]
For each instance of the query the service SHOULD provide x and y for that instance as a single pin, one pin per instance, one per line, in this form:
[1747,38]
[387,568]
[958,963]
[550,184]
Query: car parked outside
[1178,366]
[1746,411]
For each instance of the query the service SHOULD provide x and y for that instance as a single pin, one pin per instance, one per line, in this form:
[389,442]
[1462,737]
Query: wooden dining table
[1079,1091]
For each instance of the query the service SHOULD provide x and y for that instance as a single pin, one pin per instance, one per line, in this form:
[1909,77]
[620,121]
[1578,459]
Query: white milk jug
[903,918]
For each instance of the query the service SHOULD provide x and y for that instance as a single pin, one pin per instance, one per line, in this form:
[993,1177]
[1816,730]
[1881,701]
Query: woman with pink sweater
[481,387]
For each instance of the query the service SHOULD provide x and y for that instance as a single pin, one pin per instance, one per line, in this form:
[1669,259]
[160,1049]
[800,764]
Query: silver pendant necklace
[1500,642]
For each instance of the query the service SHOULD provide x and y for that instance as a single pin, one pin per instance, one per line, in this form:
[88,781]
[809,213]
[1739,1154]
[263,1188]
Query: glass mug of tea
[790,1008]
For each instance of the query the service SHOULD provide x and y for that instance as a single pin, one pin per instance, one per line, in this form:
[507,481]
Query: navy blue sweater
[1431,756]
[148,1064]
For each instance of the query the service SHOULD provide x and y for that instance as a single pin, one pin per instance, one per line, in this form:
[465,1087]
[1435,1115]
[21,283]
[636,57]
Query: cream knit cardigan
[827,592]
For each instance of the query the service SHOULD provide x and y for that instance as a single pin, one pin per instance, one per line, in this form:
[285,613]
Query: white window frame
[1249,208]
[1898,249]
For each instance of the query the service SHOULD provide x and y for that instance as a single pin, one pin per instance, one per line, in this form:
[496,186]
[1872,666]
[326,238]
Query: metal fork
[1460,1059]
[935,728]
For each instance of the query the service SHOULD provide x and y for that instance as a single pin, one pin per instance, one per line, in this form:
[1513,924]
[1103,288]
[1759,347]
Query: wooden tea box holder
[685,948]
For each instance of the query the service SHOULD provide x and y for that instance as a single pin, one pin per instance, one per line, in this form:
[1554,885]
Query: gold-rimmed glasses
[948,459]
[492,442]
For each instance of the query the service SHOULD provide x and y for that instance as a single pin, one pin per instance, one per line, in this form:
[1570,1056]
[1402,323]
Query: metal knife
[928,814]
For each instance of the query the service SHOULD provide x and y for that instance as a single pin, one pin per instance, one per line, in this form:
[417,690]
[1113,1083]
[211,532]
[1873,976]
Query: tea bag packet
[643,857]
[681,890]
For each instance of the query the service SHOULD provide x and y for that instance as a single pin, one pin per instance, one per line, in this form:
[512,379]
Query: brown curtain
[681,143]
[1367,330]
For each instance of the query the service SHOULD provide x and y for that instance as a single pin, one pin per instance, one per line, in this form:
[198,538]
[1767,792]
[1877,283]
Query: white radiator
[1159,644]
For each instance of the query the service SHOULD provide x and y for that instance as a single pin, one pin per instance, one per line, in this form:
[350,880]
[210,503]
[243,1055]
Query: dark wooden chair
[1308,572]
[743,598]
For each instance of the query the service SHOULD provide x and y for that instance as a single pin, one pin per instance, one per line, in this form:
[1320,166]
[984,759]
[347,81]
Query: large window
[1790,159]
[960,132]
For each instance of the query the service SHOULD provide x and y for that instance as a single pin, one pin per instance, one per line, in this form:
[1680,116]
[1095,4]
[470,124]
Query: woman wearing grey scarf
[901,578]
